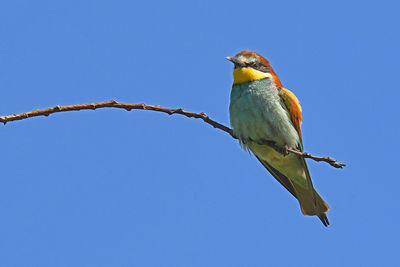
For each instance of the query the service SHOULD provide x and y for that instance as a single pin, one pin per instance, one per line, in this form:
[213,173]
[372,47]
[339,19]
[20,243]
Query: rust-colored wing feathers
[293,106]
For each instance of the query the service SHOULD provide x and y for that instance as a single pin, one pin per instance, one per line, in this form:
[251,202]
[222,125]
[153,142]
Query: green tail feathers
[311,203]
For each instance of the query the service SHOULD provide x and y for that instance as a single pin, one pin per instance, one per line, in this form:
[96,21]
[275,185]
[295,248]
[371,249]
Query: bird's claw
[284,150]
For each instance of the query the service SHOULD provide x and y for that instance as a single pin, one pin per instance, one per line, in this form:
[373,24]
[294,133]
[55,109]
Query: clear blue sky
[116,188]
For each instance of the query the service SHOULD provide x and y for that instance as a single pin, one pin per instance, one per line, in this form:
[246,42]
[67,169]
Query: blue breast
[256,113]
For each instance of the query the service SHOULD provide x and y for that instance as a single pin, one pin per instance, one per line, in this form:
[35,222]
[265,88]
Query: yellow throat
[244,75]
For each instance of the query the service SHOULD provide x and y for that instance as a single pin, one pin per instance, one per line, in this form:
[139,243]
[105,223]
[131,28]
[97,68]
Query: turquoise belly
[256,113]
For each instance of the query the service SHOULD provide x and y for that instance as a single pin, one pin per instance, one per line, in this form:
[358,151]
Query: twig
[170,111]
[333,162]
[286,150]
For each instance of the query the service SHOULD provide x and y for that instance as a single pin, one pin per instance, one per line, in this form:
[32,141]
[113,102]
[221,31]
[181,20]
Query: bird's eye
[252,64]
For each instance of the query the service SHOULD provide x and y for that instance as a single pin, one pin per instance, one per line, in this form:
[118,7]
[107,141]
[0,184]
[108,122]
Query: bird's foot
[284,150]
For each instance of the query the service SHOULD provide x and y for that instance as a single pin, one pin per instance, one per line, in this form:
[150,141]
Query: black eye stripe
[258,66]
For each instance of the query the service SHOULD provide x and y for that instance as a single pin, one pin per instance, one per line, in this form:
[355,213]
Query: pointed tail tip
[324,219]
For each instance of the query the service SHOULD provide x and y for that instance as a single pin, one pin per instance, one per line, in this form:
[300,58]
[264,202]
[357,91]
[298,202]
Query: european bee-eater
[262,110]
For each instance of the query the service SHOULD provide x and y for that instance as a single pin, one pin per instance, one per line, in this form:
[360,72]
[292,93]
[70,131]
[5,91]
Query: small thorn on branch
[204,115]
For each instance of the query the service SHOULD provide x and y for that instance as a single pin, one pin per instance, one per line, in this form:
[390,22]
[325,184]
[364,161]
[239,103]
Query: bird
[263,111]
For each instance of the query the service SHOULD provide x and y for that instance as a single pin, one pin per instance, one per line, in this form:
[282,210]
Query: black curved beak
[235,61]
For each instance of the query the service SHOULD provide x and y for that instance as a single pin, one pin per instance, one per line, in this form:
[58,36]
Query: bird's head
[250,66]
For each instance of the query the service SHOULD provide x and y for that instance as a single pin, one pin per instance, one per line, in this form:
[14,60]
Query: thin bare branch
[286,150]
[333,162]
[170,111]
